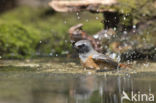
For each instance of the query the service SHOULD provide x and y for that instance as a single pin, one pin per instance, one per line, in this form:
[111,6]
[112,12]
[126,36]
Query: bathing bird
[91,59]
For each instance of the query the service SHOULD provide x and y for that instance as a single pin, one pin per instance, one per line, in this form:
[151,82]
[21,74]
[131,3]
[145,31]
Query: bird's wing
[103,59]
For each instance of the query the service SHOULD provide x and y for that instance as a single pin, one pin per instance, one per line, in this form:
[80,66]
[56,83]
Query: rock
[140,54]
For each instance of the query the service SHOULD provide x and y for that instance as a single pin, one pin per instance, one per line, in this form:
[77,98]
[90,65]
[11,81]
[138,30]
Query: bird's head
[83,46]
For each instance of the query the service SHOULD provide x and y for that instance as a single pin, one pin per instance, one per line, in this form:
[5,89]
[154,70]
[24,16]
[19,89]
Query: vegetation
[25,31]
[134,11]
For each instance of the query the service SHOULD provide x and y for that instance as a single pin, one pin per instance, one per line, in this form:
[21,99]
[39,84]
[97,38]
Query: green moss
[16,40]
[138,10]
[25,31]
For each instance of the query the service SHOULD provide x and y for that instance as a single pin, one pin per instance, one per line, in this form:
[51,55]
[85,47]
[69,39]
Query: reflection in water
[102,89]
[31,87]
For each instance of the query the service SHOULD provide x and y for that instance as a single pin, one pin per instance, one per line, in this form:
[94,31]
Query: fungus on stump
[95,6]
[77,5]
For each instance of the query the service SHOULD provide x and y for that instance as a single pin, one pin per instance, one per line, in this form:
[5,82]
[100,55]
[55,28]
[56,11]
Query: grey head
[84,47]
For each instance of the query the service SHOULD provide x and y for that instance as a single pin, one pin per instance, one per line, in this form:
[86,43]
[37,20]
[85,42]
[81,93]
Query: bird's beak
[73,43]
[76,47]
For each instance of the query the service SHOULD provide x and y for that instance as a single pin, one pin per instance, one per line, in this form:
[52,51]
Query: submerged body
[90,58]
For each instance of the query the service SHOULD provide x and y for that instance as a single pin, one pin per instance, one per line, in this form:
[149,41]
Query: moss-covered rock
[17,41]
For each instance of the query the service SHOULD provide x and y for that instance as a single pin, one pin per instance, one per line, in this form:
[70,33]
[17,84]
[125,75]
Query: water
[28,85]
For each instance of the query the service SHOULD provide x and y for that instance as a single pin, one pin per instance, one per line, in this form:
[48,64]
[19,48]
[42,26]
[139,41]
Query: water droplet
[50,54]
[97,18]
[118,58]
[77,13]
[124,18]
[56,55]
[65,22]
[124,32]
[78,17]
[89,73]
[96,36]
[115,28]
[106,35]
[134,26]
[113,55]
[65,41]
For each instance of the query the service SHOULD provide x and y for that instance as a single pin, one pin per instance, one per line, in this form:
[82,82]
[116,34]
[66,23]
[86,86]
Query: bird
[91,59]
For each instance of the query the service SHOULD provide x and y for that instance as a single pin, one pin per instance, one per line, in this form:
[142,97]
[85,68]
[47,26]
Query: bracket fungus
[78,5]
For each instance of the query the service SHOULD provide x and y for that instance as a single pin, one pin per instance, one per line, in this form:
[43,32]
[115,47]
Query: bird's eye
[83,44]
[80,46]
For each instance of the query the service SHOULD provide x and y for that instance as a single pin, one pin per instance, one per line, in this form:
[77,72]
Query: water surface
[28,84]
